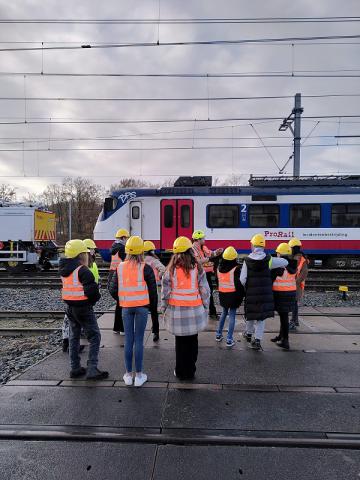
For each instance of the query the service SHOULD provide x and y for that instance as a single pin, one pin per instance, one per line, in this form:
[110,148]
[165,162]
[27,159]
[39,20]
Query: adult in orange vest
[231,293]
[284,289]
[158,269]
[204,255]
[301,275]
[80,292]
[185,296]
[118,255]
[134,288]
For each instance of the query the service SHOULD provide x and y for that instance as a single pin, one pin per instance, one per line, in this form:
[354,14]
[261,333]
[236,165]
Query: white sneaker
[140,380]
[122,334]
[128,379]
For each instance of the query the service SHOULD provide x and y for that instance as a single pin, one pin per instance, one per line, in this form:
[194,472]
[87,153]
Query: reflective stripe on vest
[298,270]
[286,283]
[185,289]
[72,288]
[132,288]
[115,261]
[227,281]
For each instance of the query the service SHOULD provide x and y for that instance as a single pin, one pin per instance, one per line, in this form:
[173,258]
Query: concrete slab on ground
[229,409]
[260,463]
[75,460]
[113,407]
[217,365]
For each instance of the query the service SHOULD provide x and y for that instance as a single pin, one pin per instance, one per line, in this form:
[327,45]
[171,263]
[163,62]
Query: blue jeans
[83,317]
[135,319]
[224,314]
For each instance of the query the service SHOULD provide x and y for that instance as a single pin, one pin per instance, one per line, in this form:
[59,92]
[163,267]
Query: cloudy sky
[147,155]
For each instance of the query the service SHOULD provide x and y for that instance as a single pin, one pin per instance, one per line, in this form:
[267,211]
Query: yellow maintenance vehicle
[27,238]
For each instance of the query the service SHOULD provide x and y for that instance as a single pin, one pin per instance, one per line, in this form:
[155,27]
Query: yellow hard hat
[122,232]
[89,243]
[258,240]
[134,246]
[148,246]
[295,242]
[284,249]
[229,253]
[181,245]
[198,235]
[73,248]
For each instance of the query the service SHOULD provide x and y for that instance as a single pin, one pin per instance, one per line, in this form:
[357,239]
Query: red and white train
[323,212]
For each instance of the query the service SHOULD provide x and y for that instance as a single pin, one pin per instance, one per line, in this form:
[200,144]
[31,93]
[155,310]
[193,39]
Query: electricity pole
[294,118]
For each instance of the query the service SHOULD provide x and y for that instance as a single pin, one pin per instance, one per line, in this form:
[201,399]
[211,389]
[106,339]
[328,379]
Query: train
[322,211]
[27,237]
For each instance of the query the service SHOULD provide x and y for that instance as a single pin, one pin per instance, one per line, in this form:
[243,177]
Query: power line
[337,73]
[182,21]
[54,121]
[95,45]
[174,99]
[136,149]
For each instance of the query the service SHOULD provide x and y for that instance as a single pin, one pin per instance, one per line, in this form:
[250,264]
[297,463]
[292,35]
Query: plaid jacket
[182,321]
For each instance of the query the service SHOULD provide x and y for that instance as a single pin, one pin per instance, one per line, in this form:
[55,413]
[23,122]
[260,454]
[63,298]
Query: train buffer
[252,415]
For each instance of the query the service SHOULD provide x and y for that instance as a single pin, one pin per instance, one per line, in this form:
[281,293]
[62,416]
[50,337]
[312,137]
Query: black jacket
[259,300]
[91,288]
[118,248]
[149,278]
[231,299]
[285,301]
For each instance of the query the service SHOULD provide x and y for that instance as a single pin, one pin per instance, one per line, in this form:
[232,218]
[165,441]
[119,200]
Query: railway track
[318,280]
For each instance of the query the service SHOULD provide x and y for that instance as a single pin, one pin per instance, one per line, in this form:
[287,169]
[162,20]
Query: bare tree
[129,183]
[7,193]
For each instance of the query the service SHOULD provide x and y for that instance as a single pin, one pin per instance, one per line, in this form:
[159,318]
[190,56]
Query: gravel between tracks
[17,354]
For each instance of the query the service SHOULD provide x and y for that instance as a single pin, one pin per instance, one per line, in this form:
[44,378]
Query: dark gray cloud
[115,164]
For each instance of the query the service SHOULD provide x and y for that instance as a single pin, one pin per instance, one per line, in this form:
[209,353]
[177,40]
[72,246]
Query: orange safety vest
[185,289]
[286,283]
[72,289]
[298,270]
[132,288]
[201,253]
[227,281]
[150,261]
[115,261]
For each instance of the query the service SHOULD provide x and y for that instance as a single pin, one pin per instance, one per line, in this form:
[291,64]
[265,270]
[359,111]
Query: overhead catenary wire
[180,21]
[176,99]
[95,45]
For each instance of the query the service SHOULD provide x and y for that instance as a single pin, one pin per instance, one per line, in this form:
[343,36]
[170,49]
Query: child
[231,292]
[185,297]
[80,292]
[158,269]
[259,301]
[134,287]
[284,288]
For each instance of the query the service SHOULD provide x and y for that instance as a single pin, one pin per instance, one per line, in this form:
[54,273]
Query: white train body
[325,218]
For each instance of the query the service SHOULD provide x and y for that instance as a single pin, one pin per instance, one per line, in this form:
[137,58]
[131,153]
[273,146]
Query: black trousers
[212,308]
[186,349]
[118,323]
[284,325]
[154,317]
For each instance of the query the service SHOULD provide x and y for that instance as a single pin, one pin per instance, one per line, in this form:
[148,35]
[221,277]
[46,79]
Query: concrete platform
[309,393]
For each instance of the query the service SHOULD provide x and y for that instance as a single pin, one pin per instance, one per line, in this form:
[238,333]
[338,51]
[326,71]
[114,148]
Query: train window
[345,215]
[264,215]
[223,216]
[185,216]
[135,213]
[305,215]
[168,216]
[110,204]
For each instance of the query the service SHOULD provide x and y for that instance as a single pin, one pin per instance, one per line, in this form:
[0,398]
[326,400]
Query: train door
[135,218]
[177,219]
